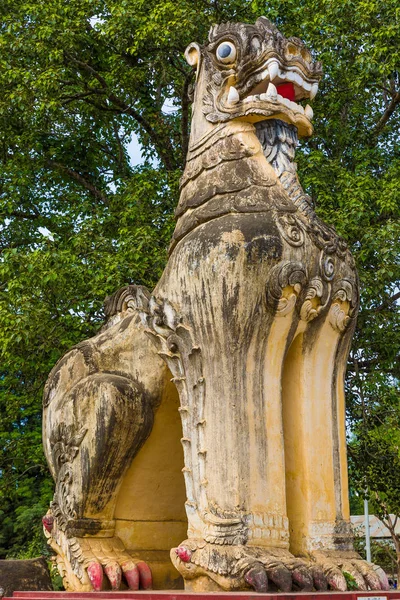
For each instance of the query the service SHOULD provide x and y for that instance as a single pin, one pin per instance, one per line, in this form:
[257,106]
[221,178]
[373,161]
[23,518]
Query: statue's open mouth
[275,89]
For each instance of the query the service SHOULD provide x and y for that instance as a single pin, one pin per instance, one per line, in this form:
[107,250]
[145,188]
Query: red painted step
[183,595]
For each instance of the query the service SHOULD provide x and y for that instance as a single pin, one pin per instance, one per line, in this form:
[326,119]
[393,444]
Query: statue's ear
[193,55]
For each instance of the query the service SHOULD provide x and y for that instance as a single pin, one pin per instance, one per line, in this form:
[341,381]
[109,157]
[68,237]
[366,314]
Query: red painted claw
[131,573]
[95,574]
[257,578]
[48,522]
[383,580]
[114,574]
[281,576]
[146,578]
[303,579]
[184,553]
[336,580]
[372,580]
[320,582]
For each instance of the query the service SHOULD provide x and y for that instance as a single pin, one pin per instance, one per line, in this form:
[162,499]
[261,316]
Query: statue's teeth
[308,111]
[293,105]
[307,86]
[271,91]
[265,74]
[313,91]
[298,79]
[290,76]
[284,101]
[273,69]
[233,95]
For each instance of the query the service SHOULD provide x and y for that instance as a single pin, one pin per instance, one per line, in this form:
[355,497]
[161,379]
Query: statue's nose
[296,49]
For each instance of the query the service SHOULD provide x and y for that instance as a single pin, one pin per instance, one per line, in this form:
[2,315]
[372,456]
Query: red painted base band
[182,595]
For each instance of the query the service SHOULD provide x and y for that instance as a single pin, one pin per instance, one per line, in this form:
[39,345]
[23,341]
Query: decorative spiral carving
[327,266]
[291,230]
[283,275]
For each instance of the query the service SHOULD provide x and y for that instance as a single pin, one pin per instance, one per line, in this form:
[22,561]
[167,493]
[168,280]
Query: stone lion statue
[211,410]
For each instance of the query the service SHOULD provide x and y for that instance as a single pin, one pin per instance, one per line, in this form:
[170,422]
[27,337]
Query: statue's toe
[145,576]
[334,577]
[114,574]
[257,578]
[383,579]
[131,574]
[319,579]
[302,578]
[95,574]
[280,576]
[351,568]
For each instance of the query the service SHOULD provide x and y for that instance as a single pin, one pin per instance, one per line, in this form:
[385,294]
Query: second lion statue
[212,409]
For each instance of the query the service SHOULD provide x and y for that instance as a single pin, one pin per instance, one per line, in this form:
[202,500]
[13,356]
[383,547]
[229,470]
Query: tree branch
[20,214]
[80,179]
[364,364]
[121,154]
[387,114]
[360,389]
[88,69]
[163,146]
[386,303]
[185,103]
[26,471]
[94,92]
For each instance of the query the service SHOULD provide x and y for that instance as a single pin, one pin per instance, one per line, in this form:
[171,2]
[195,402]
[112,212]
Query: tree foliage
[79,220]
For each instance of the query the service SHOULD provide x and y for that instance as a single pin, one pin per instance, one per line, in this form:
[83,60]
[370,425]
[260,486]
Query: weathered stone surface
[252,319]
[29,575]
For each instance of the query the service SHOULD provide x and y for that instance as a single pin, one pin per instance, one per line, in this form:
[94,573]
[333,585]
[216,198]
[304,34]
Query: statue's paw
[290,573]
[96,563]
[347,570]
[107,558]
[244,567]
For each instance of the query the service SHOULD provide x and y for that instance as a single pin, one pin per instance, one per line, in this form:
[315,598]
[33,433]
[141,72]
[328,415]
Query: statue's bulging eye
[226,52]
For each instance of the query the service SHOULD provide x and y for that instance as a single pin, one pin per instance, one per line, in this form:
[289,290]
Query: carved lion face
[253,72]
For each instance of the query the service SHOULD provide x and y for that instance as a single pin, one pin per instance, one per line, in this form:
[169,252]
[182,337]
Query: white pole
[367,532]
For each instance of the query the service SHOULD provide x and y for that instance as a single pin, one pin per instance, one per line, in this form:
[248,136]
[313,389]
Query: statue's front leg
[95,432]
[99,404]
[221,318]
[315,444]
